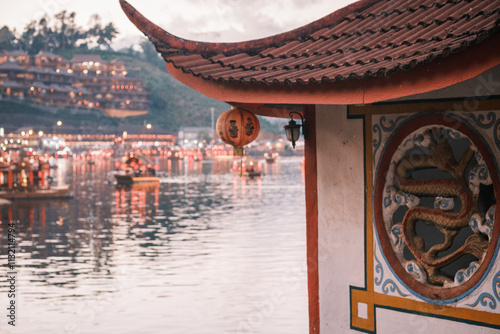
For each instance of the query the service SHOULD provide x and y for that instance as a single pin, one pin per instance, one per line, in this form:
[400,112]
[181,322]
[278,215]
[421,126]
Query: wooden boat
[271,157]
[251,173]
[35,193]
[130,178]
[136,169]
[20,181]
[270,160]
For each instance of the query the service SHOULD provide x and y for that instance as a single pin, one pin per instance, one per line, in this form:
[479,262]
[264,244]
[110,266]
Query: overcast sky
[204,20]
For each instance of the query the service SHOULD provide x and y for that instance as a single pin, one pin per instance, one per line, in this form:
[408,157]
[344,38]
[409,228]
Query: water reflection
[204,251]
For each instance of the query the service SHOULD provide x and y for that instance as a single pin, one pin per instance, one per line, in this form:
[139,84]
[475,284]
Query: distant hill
[172,104]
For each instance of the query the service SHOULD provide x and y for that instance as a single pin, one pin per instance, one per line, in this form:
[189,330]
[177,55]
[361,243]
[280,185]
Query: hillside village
[82,83]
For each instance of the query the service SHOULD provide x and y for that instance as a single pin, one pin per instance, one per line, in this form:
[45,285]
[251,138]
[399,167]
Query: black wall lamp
[292,130]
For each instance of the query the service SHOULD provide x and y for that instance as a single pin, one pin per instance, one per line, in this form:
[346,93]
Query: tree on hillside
[64,34]
[31,41]
[150,54]
[7,39]
[41,35]
[102,36]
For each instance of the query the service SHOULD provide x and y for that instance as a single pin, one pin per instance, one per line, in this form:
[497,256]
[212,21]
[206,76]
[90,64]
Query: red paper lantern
[237,127]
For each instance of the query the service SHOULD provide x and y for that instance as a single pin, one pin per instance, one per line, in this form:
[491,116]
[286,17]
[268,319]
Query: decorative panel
[432,227]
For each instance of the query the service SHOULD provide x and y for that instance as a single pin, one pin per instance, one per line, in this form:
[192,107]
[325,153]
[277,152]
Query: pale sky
[203,20]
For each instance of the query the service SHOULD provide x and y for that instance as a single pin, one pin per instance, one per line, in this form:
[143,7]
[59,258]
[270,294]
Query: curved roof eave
[153,31]
[465,62]
[439,74]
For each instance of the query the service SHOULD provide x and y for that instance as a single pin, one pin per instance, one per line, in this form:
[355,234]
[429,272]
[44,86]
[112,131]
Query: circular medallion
[435,199]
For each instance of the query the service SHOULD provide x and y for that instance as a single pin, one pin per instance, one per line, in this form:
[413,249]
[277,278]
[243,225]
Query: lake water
[205,251]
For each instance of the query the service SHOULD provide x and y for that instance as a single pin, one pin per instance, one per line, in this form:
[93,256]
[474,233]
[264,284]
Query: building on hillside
[110,86]
[402,110]
[16,56]
[84,82]
[48,60]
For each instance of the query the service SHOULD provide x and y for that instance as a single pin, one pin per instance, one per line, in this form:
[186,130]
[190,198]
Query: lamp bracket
[303,125]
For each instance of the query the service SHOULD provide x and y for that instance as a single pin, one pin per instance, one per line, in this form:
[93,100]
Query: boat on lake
[20,181]
[251,173]
[129,177]
[136,170]
[243,169]
[271,157]
[35,193]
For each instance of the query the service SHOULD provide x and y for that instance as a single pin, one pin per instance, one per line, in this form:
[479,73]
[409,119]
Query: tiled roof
[9,65]
[13,53]
[12,84]
[47,54]
[367,38]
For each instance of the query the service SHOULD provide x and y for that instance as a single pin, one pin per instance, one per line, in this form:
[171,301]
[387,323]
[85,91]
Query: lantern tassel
[238,151]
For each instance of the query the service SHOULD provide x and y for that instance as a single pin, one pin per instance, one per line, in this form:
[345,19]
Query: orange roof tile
[367,38]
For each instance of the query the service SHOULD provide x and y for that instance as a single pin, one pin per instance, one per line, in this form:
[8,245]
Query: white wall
[340,214]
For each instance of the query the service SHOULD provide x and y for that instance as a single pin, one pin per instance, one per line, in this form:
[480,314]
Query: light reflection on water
[203,252]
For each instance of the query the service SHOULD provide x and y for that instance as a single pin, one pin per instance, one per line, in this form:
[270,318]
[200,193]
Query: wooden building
[82,83]
[20,57]
[401,101]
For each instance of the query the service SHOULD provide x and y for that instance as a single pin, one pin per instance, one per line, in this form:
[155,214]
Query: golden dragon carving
[439,156]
